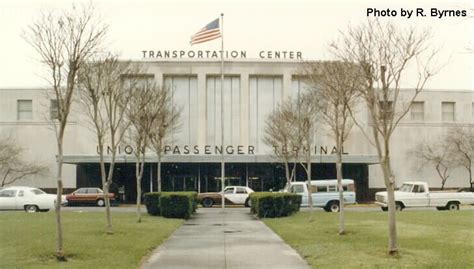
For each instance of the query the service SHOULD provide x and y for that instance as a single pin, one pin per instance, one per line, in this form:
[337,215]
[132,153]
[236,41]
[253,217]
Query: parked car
[27,198]
[234,195]
[417,194]
[323,193]
[88,196]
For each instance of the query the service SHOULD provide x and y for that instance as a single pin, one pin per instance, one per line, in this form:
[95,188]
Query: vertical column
[202,116]
[286,86]
[244,109]
[159,79]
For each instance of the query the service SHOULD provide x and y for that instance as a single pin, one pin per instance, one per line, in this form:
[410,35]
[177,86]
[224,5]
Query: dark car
[88,196]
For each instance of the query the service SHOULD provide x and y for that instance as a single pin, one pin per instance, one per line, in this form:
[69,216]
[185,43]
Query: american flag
[209,32]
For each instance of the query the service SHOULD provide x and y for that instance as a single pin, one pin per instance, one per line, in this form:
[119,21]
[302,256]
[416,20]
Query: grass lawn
[427,239]
[28,240]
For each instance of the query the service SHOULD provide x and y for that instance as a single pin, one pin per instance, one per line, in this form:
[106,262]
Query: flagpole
[222,114]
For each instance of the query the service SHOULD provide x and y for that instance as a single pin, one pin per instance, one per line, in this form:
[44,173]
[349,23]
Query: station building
[252,90]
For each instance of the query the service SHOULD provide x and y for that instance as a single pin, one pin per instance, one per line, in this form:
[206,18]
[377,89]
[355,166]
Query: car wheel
[100,202]
[398,206]
[452,206]
[207,202]
[248,202]
[31,208]
[384,208]
[333,206]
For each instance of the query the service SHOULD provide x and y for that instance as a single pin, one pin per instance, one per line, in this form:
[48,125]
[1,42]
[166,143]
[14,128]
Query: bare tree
[304,120]
[384,53]
[461,149]
[105,97]
[435,153]
[166,123]
[63,42]
[280,134]
[142,111]
[12,165]
[337,87]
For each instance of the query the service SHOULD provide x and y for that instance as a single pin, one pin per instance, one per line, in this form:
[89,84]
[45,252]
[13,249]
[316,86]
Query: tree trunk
[158,172]
[308,183]
[105,188]
[59,230]
[392,225]
[340,188]
[287,172]
[139,173]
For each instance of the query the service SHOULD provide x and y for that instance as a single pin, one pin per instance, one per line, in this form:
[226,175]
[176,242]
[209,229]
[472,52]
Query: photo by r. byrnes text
[417,12]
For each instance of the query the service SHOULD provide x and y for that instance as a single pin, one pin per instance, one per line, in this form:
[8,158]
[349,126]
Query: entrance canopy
[76,159]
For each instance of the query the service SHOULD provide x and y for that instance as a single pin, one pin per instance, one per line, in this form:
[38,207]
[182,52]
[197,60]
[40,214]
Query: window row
[448,112]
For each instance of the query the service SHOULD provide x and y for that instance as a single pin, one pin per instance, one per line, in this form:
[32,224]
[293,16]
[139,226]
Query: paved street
[234,239]
[357,208]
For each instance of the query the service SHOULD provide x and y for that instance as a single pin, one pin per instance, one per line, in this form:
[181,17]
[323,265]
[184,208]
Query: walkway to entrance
[234,239]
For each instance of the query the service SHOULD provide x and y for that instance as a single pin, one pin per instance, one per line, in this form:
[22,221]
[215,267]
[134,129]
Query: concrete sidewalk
[234,239]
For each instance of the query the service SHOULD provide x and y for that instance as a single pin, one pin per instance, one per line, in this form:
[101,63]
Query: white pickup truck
[417,194]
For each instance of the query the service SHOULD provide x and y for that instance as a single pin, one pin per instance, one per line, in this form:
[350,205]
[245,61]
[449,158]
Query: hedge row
[274,204]
[171,204]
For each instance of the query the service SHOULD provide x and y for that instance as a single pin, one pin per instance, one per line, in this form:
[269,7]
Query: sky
[252,26]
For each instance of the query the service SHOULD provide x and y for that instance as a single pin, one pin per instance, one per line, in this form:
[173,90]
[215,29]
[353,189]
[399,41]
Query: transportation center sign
[216,54]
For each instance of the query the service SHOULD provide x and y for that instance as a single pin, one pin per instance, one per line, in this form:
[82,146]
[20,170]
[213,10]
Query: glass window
[385,110]
[37,191]
[231,110]
[448,111]
[184,96]
[417,111]
[92,190]
[8,193]
[415,188]
[21,193]
[297,188]
[80,191]
[332,188]
[241,190]
[265,94]
[406,188]
[229,191]
[421,188]
[25,109]
[322,189]
[54,109]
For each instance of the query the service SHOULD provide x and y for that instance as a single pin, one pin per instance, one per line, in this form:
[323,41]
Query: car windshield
[37,191]
[406,188]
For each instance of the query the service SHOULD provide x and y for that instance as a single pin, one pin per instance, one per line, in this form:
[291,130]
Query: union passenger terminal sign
[216,54]
[226,149]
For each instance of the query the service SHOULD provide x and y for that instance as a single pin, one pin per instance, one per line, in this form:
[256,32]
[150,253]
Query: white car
[234,195]
[26,198]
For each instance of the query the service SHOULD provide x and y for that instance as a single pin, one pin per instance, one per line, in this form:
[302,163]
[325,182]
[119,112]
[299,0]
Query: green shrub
[274,204]
[152,202]
[178,204]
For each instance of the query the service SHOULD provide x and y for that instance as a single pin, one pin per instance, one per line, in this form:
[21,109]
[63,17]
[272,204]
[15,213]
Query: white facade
[252,90]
